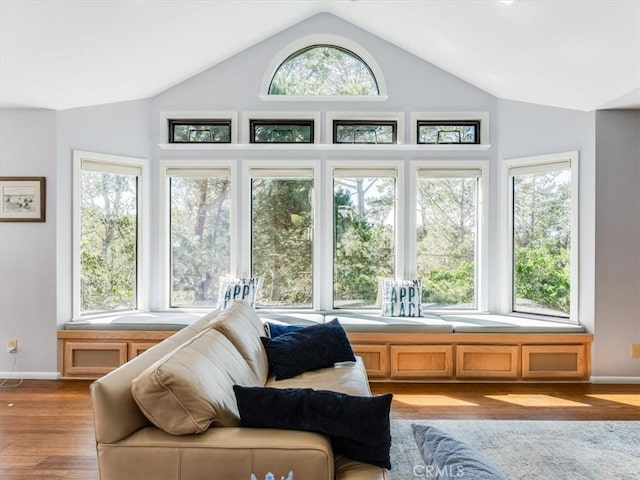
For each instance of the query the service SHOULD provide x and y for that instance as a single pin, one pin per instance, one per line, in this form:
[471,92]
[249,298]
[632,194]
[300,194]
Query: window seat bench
[432,348]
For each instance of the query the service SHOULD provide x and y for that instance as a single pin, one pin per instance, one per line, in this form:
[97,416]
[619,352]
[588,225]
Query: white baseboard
[30,375]
[626,380]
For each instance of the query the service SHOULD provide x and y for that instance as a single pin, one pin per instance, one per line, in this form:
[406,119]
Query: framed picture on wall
[22,199]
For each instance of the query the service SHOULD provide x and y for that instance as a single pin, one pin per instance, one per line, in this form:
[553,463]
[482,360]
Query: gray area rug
[549,450]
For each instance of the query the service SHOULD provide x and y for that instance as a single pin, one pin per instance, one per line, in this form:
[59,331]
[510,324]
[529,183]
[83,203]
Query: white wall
[28,250]
[118,129]
[617,253]
[526,130]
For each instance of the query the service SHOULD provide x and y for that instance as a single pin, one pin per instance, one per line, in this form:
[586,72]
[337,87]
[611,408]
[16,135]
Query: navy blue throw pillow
[358,427]
[310,348]
[276,329]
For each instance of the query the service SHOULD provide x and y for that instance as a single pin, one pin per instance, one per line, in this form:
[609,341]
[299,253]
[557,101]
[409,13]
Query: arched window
[324,70]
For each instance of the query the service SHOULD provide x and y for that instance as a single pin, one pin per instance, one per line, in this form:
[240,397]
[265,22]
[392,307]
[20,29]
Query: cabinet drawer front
[554,361]
[375,358]
[93,358]
[421,361]
[489,361]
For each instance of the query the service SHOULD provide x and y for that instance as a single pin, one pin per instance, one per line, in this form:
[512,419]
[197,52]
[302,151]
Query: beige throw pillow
[191,388]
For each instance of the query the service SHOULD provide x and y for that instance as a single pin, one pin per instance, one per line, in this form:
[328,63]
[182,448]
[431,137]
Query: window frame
[173,122]
[482,234]
[364,117]
[328,237]
[324,39]
[111,162]
[449,123]
[484,130]
[344,50]
[243,262]
[164,193]
[197,115]
[272,122]
[542,161]
[380,123]
[280,116]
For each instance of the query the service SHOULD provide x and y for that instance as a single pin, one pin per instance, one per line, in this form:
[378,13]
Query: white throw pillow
[401,298]
[234,289]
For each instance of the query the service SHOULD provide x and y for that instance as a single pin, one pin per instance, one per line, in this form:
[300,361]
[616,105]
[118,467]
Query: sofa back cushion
[112,397]
[242,326]
[191,388]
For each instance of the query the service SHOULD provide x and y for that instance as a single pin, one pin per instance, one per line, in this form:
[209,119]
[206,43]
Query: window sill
[321,146]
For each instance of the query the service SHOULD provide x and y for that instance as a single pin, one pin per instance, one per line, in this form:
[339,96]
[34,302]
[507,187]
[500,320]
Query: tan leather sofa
[185,384]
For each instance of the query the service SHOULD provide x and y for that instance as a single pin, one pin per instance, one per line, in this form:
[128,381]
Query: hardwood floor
[46,427]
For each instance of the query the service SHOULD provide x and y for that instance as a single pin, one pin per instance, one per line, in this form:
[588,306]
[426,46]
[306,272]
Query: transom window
[323,70]
[448,132]
[365,131]
[281,131]
[200,131]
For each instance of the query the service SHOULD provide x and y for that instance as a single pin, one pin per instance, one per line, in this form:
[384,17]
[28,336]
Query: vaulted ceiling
[580,54]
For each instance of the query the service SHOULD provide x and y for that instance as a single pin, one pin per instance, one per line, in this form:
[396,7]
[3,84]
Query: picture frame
[23,199]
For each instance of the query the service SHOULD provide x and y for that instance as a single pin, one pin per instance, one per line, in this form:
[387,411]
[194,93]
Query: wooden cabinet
[472,357]
[421,361]
[89,354]
[554,361]
[390,357]
[93,358]
[136,348]
[487,361]
[375,358]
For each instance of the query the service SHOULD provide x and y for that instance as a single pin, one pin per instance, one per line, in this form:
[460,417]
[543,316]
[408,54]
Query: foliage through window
[199,131]
[447,230]
[323,70]
[281,131]
[541,219]
[445,132]
[353,131]
[281,237]
[364,232]
[200,209]
[109,239]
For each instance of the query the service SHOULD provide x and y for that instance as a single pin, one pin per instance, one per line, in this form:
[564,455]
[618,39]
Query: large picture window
[542,219]
[364,203]
[200,236]
[447,237]
[107,233]
[282,219]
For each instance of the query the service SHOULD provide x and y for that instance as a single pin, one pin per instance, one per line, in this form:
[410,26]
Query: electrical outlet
[635,350]
[12,346]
